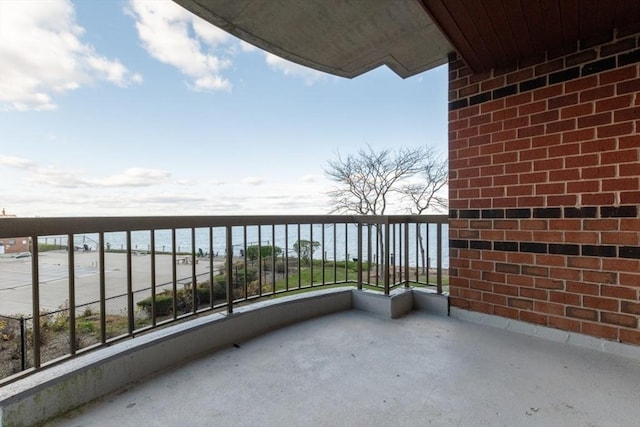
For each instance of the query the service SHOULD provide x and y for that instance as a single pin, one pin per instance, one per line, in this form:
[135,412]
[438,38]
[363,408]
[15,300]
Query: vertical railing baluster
[174,274]
[229,249]
[428,255]
[394,251]
[359,284]
[335,253]
[23,344]
[286,257]
[153,278]
[212,296]
[299,260]
[130,313]
[323,257]
[103,289]
[370,258]
[246,266]
[273,256]
[406,254]
[417,237]
[346,251]
[387,260]
[35,303]
[379,256]
[195,299]
[72,294]
[260,270]
[439,268]
[311,250]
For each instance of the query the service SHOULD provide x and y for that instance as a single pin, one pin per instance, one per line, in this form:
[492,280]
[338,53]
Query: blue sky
[119,107]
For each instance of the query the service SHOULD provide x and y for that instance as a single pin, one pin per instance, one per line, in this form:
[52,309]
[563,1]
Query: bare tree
[365,180]
[426,192]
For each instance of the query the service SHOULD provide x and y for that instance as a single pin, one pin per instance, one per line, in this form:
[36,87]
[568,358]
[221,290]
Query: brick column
[545,189]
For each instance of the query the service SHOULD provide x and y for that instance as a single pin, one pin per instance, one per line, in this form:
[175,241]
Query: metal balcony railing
[90,281]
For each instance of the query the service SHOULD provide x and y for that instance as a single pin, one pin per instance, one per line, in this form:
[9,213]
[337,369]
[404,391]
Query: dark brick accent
[458,244]
[493,213]
[460,103]
[620,46]
[626,211]
[565,75]
[536,248]
[629,252]
[599,251]
[599,66]
[629,58]
[518,213]
[505,91]
[489,215]
[618,211]
[480,98]
[564,249]
[587,212]
[617,54]
[480,244]
[533,84]
[469,214]
[547,213]
[506,246]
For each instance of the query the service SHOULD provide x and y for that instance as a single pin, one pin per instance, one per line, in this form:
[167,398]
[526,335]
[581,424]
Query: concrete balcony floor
[355,369]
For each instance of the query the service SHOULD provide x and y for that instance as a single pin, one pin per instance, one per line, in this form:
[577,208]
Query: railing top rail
[12,227]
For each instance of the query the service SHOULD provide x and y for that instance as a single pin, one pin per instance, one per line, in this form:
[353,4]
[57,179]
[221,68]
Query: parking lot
[16,278]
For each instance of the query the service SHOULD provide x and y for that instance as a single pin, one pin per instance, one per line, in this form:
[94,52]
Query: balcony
[318,315]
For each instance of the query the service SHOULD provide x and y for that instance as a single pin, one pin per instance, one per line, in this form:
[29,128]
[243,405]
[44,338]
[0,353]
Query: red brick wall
[545,190]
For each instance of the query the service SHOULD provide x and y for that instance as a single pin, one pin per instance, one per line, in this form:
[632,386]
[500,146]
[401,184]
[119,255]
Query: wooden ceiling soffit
[501,33]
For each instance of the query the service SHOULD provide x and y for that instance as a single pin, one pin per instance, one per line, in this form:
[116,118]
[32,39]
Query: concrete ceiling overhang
[350,37]
[342,37]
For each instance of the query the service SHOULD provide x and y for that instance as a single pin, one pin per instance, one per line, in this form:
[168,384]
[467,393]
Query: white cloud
[247,47]
[16,162]
[252,180]
[309,75]
[134,177]
[68,178]
[43,55]
[308,178]
[209,33]
[176,37]
[170,199]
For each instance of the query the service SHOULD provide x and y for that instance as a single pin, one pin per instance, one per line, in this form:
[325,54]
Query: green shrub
[254,251]
[86,327]
[184,302]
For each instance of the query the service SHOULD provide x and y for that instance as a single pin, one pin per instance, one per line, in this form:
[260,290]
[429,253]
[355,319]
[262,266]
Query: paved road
[16,289]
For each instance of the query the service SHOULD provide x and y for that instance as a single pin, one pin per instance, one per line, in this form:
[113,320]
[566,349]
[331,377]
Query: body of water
[337,242]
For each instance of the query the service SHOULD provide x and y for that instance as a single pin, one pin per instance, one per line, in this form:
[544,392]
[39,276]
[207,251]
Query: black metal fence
[114,278]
